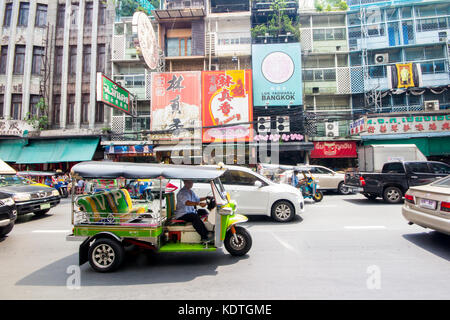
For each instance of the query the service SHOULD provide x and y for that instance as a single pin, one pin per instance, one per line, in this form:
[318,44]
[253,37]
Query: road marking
[364,227]
[284,244]
[51,231]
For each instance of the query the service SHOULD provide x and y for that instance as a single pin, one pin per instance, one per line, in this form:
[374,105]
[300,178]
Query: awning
[177,147]
[58,150]
[10,149]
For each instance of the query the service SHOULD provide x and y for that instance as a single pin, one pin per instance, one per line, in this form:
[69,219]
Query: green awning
[432,146]
[61,150]
[10,149]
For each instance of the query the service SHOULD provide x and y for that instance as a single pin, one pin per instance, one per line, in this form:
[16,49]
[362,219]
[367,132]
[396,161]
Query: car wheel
[6,229]
[392,195]
[105,255]
[343,189]
[41,212]
[283,211]
[239,245]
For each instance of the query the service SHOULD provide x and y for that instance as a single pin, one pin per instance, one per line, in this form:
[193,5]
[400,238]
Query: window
[394,167]
[418,167]
[60,15]
[34,100]
[72,60]
[16,106]
[58,62]
[8,15]
[99,112]
[1,106]
[56,109]
[71,109]
[87,59]
[88,14]
[102,14]
[3,58]
[442,183]
[85,108]
[440,168]
[41,15]
[177,47]
[24,11]
[19,59]
[38,54]
[235,177]
[101,61]
[74,16]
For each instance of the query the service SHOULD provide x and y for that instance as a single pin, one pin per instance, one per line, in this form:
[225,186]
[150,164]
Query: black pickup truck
[395,179]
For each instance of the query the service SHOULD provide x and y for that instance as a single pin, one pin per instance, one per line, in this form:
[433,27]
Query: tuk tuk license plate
[427,204]
[45,206]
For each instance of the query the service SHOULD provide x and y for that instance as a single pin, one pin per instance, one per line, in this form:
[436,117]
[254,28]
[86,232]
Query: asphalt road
[344,247]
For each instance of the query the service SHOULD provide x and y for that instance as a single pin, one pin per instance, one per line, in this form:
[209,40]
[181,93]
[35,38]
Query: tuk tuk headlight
[55,193]
[22,197]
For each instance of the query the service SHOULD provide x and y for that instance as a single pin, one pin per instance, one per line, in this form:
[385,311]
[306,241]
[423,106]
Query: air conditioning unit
[332,129]
[263,124]
[283,124]
[431,105]
[214,67]
[121,83]
[381,58]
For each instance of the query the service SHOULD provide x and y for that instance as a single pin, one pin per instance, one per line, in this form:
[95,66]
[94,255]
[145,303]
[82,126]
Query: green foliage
[278,23]
[330,5]
[40,120]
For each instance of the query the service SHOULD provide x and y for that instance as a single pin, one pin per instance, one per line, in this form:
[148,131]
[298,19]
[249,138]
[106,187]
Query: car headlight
[22,197]
[55,193]
[7,202]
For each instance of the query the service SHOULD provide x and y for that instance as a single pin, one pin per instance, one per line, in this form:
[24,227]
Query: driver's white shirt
[185,195]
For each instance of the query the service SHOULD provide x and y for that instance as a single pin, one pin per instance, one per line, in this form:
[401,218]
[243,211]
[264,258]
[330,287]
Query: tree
[40,119]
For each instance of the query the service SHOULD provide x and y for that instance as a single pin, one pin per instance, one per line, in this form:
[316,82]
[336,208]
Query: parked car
[395,179]
[8,215]
[257,195]
[28,198]
[326,178]
[429,206]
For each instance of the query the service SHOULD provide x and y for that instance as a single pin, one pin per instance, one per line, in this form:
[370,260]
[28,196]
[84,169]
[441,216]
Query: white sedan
[257,195]
[429,205]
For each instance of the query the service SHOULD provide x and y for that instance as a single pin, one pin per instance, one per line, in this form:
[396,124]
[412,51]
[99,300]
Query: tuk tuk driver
[186,202]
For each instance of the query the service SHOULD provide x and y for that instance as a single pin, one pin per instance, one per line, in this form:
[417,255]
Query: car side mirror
[258,184]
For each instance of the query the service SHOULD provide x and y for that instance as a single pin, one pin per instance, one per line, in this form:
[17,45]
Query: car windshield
[442,183]
[9,180]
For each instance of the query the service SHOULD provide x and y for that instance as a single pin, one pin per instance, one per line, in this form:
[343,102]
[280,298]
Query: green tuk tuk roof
[129,170]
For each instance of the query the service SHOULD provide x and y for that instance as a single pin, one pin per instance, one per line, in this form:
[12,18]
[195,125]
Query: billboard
[148,44]
[110,93]
[227,99]
[334,149]
[277,74]
[176,104]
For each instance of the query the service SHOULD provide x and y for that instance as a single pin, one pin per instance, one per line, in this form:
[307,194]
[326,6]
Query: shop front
[139,153]
[337,155]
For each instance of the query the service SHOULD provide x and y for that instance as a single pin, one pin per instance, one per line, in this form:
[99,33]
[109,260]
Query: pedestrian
[80,186]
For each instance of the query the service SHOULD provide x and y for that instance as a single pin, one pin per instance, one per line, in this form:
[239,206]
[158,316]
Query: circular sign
[277,67]
[147,39]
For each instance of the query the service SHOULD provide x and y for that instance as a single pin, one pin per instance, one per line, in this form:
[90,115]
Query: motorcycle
[310,189]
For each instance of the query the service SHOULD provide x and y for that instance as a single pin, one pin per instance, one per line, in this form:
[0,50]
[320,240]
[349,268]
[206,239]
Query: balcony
[229,44]
[181,9]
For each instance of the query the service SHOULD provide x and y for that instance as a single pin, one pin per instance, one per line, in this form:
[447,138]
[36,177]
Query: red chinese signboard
[334,149]
[227,100]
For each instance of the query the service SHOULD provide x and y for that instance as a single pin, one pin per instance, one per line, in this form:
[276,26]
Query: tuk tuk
[108,221]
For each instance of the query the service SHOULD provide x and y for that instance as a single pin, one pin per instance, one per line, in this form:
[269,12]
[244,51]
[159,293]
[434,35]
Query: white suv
[257,195]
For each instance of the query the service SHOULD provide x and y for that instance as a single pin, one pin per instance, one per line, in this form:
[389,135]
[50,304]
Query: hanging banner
[334,149]
[408,124]
[227,99]
[110,93]
[405,75]
[277,74]
[176,105]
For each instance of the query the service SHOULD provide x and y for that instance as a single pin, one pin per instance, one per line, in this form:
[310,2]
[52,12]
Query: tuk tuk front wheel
[318,196]
[239,243]
[106,255]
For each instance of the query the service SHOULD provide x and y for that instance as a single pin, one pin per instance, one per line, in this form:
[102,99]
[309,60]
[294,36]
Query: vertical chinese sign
[176,105]
[227,100]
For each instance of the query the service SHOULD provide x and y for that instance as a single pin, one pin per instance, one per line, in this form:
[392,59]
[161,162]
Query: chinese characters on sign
[14,127]
[176,105]
[408,124]
[357,126]
[227,99]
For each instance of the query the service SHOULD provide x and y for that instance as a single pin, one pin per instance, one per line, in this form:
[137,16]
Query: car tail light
[445,206]
[362,181]
[409,198]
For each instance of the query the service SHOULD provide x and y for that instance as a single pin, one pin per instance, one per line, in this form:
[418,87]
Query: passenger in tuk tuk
[186,202]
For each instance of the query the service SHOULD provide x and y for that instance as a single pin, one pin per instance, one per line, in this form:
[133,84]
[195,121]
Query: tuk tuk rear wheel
[239,245]
[105,255]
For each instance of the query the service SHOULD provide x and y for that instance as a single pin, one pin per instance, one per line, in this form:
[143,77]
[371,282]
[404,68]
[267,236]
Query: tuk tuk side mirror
[258,184]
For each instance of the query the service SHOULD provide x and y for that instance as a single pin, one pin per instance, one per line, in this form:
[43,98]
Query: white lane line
[285,244]
[51,231]
[364,227]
